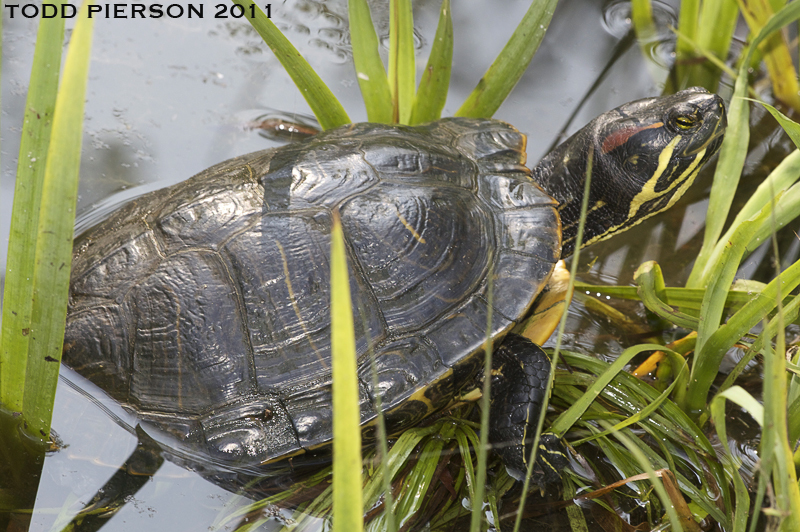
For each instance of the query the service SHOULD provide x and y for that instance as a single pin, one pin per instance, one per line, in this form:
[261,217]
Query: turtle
[204,307]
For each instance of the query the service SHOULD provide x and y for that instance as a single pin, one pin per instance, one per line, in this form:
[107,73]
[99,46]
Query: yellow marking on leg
[407,225]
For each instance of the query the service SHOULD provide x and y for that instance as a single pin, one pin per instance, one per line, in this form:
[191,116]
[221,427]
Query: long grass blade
[774,450]
[323,103]
[56,221]
[716,25]
[687,23]
[480,477]
[347,495]
[650,284]
[370,71]
[731,463]
[686,298]
[707,361]
[559,336]
[402,69]
[569,417]
[726,178]
[35,138]
[432,91]
[675,521]
[734,149]
[791,127]
[776,54]
[497,83]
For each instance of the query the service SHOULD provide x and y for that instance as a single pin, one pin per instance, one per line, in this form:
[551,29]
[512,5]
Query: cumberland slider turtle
[205,306]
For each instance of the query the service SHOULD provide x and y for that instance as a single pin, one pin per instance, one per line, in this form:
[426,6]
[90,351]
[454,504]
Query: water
[168,98]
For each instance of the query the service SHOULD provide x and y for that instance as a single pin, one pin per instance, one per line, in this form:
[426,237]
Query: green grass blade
[777,182]
[687,23]
[790,312]
[630,443]
[569,417]
[323,103]
[772,217]
[480,476]
[731,462]
[776,56]
[641,414]
[559,336]
[402,68]
[707,361]
[370,71]
[716,24]
[642,18]
[497,83]
[791,127]
[56,221]
[686,298]
[734,149]
[347,495]
[713,306]
[712,28]
[726,178]
[35,138]
[650,283]
[432,92]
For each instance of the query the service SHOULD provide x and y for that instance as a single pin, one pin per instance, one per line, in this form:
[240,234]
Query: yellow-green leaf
[370,71]
[56,221]
[323,103]
[347,495]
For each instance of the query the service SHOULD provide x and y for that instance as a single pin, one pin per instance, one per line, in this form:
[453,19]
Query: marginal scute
[402,366]
[310,411]
[252,430]
[534,232]
[464,331]
[489,141]
[509,191]
[517,276]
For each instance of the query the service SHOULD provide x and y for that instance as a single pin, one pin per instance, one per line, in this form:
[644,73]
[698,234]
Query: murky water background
[168,98]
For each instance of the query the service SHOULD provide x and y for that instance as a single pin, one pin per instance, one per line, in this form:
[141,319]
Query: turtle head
[645,154]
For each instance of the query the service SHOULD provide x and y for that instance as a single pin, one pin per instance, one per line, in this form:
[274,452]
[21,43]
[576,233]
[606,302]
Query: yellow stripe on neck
[687,178]
[648,191]
[685,181]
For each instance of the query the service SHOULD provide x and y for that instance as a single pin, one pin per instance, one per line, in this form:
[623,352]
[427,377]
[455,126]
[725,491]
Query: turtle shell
[205,306]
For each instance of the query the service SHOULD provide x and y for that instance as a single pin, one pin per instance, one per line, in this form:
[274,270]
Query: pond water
[168,98]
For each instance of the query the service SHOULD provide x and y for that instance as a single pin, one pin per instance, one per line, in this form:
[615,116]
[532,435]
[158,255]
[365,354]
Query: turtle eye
[684,121]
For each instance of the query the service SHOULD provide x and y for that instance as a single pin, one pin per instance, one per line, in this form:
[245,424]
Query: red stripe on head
[618,138]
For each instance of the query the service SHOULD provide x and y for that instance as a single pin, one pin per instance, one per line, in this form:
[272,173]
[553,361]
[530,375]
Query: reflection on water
[659,42]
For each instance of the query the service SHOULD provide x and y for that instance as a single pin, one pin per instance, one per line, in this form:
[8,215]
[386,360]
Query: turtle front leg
[520,370]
